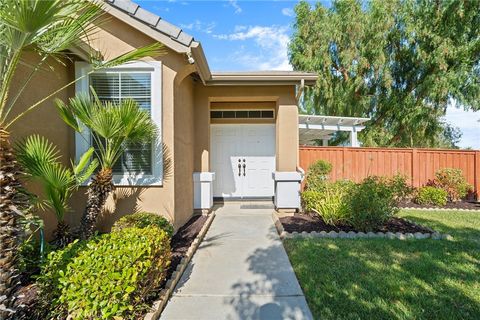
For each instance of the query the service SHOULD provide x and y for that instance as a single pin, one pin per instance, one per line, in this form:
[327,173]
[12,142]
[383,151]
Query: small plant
[317,174]
[108,277]
[429,195]
[373,203]
[453,182]
[331,203]
[40,160]
[143,220]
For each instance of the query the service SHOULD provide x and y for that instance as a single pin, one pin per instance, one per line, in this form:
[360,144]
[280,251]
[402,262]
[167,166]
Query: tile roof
[153,21]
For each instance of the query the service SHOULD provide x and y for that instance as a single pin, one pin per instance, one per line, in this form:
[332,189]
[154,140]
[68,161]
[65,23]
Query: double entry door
[243,159]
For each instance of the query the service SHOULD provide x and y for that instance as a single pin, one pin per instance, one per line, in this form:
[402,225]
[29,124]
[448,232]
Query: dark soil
[313,222]
[182,240]
[450,205]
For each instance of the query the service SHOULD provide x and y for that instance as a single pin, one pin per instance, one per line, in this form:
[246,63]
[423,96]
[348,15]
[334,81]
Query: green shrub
[431,196]
[48,281]
[402,190]
[331,203]
[317,174]
[143,220]
[453,182]
[372,203]
[109,276]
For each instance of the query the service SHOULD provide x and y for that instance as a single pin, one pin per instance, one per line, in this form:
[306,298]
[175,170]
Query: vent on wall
[242,114]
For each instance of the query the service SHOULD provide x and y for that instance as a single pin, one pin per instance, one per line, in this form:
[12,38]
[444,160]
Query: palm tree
[39,159]
[49,28]
[113,127]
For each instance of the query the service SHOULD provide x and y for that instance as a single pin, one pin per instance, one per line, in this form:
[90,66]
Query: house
[231,135]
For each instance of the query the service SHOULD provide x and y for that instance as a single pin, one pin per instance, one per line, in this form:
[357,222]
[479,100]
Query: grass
[393,279]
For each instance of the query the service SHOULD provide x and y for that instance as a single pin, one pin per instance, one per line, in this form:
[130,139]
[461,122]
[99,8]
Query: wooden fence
[419,165]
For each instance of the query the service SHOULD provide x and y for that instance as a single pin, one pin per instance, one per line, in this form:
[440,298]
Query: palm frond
[35,151]
[40,160]
[152,50]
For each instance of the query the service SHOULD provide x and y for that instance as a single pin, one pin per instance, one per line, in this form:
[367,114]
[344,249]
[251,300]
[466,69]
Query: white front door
[243,159]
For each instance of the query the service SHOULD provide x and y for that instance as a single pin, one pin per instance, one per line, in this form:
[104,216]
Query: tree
[399,62]
[49,28]
[40,160]
[113,127]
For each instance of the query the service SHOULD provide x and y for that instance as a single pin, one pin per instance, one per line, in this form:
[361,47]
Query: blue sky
[253,35]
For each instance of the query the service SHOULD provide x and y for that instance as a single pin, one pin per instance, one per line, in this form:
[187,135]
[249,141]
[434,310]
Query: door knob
[239,168]
[244,166]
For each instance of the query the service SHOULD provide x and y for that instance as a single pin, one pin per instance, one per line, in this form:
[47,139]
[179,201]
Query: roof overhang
[261,78]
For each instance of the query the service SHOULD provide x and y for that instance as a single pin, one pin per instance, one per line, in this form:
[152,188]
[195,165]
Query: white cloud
[288,12]
[468,122]
[235,5]
[200,26]
[270,51]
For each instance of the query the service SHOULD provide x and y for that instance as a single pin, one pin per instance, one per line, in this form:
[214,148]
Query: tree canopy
[399,62]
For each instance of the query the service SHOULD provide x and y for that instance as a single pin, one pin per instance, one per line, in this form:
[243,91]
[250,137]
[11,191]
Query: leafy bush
[431,195]
[317,174]
[143,220]
[109,276]
[331,202]
[402,190]
[453,182]
[372,203]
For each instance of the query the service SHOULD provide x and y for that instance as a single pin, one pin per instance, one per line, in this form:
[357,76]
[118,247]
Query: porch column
[353,138]
[287,179]
[325,142]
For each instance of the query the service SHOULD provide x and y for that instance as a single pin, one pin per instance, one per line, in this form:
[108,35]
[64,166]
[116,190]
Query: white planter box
[287,189]
[203,190]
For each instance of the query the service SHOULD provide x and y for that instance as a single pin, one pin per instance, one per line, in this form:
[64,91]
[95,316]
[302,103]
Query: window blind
[115,87]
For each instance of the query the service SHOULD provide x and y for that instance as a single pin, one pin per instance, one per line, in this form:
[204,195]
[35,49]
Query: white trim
[82,139]
[355,128]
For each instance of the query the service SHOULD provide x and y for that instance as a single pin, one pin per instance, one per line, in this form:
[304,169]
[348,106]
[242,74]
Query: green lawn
[393,279]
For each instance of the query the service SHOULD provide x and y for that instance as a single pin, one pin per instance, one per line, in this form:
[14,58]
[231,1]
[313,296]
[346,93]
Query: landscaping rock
[390,235]
[436,236]
[323,234]
[380,235]
[333,234]
[342,234]
[371,234]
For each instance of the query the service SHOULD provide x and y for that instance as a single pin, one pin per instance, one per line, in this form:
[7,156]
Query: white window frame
[82,140]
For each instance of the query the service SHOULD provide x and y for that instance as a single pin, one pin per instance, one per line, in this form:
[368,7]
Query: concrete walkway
[240,271]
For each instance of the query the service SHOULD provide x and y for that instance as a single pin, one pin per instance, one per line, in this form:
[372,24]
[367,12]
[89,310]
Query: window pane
[242,114]
[254,114]
[229,114]
[215,114]
[267,114]
[106,85]
[117,86]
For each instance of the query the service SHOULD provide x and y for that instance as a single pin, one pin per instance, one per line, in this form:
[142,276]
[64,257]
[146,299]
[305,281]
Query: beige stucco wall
[43,120]
[286,119]
[184,139]
[114,38]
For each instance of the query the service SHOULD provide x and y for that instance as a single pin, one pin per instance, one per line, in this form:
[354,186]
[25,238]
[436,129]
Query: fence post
[415,177]
[476,175]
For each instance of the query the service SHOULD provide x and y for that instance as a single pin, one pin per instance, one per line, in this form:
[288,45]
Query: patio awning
[313,128]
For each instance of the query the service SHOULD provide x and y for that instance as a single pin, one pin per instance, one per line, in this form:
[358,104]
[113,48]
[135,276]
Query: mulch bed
[182,240]
[313,222]
[450,205]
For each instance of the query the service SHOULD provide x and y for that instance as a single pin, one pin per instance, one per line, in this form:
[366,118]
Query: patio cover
[322,127]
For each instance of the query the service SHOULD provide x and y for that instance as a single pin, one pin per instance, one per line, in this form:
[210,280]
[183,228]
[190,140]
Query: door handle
[244,166]
[239,168]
